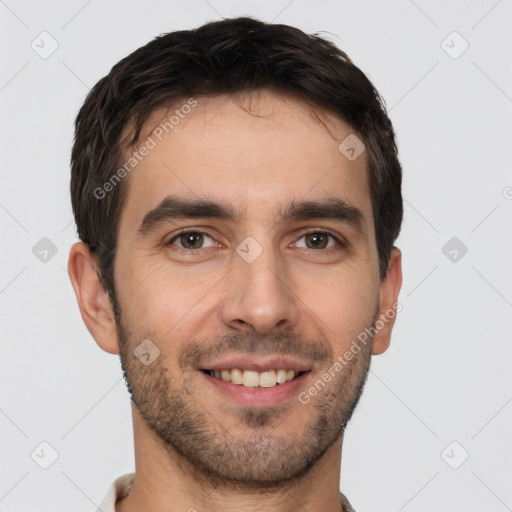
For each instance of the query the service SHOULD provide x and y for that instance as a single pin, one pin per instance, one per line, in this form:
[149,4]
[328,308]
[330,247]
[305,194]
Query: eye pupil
[195,240]
[315,238]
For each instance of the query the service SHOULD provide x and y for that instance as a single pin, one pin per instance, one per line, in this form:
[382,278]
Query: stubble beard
[256,455]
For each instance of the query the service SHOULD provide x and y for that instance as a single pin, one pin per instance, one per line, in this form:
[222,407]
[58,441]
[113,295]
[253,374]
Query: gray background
[446,377]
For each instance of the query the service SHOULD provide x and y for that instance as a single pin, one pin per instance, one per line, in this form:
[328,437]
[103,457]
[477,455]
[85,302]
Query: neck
[166,482]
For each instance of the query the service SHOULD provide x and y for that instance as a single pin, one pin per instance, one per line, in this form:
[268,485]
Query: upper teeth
[252,379]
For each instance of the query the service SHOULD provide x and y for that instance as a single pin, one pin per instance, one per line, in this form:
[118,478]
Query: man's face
[273,287]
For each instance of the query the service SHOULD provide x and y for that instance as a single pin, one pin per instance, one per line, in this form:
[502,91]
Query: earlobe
[388,304]
[92,298]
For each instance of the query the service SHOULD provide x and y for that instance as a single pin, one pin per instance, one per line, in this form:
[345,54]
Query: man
[236,190]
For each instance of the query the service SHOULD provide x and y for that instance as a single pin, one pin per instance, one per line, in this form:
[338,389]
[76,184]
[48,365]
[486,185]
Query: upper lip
[257,364]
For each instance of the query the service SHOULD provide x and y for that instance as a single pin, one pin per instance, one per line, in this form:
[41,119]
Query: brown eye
[191,240]
[317,240]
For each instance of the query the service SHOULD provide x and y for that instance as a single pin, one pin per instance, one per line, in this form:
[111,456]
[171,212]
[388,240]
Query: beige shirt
[122,486]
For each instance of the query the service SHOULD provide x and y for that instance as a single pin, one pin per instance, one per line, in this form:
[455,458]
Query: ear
[388,303]
[93,300]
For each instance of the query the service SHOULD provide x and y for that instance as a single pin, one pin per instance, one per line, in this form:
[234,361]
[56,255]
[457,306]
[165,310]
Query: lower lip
[256,396]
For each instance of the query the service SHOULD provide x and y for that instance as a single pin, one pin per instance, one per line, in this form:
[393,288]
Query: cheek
[345,303]
[160,299]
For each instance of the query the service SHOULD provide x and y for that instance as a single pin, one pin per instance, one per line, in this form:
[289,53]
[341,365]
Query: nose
[259,297]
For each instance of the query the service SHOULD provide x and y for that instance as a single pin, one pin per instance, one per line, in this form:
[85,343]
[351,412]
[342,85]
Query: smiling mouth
[254,379]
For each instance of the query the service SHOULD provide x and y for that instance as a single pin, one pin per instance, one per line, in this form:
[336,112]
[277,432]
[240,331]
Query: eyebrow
[174,207]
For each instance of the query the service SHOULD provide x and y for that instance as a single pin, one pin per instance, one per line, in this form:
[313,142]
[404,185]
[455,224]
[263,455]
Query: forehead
[257,153]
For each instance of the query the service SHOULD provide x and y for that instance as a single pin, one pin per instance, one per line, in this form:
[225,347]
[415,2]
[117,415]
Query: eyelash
[340,244]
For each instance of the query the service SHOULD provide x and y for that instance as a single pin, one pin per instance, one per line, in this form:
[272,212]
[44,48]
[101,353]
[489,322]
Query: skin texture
[195,448]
